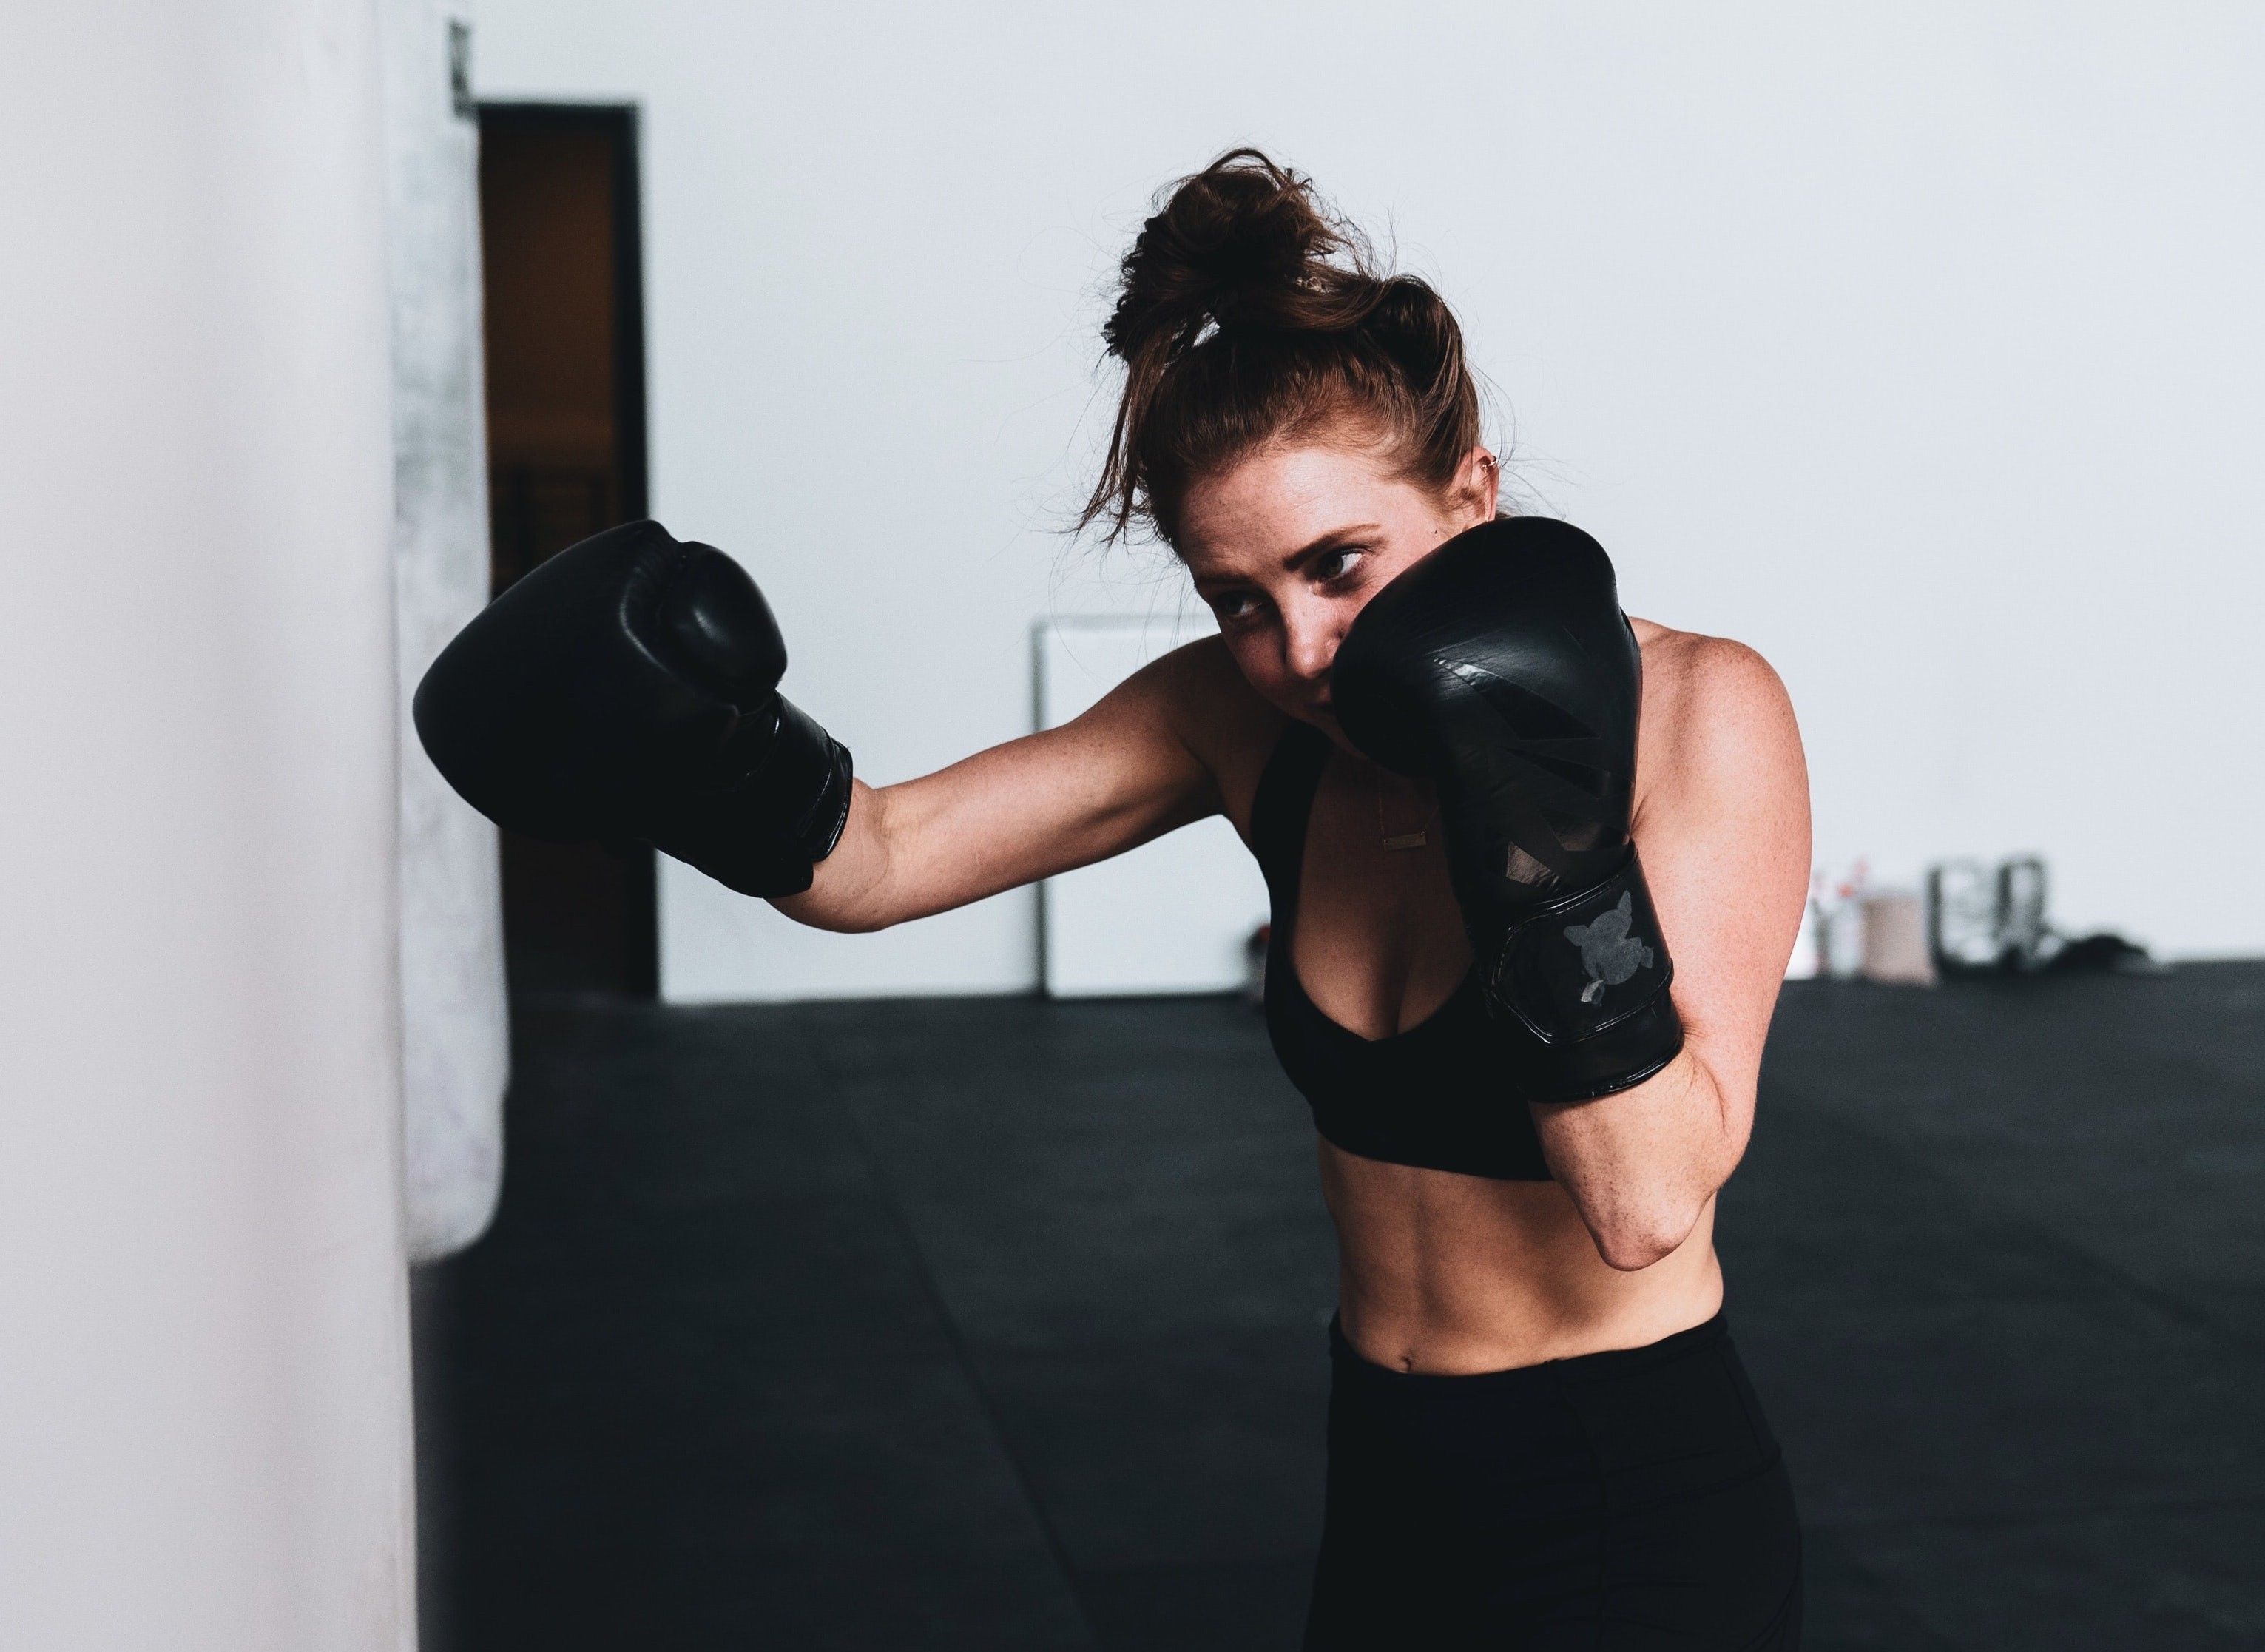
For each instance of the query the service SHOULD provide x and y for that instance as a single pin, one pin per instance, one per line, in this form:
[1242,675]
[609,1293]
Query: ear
[1478,486]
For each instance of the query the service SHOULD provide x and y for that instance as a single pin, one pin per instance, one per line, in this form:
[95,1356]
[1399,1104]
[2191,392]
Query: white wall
[1916,346]
[204,1406]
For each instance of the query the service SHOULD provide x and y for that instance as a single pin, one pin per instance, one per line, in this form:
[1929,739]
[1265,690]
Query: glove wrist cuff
[1587,974]
[780,812]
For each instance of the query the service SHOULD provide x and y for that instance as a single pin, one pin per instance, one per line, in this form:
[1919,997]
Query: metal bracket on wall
[460,69]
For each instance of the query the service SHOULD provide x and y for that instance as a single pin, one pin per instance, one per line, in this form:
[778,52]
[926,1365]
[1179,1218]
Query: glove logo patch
[1609,953]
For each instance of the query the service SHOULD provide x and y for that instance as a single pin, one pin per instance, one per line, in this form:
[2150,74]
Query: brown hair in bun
[1249,312]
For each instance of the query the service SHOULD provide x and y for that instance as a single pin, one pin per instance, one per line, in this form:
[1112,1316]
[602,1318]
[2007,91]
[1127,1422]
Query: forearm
[851,889]
[911,850]
[1003,817]
[1641,1165]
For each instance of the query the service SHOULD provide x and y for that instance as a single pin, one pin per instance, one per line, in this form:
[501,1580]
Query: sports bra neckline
[1442,1094]
[1431,1022]
[1294,890]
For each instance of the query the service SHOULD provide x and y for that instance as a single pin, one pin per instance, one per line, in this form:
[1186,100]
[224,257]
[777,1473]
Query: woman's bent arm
[1723,830]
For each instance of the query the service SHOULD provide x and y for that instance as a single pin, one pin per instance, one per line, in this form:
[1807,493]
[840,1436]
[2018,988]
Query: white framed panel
[1176,916]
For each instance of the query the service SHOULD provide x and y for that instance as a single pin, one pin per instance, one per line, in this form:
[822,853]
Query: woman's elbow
[835,917]
[1632,1239]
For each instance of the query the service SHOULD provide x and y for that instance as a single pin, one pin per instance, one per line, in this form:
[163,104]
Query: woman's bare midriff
[1456,1274]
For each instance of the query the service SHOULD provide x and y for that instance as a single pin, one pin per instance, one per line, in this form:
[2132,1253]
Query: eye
[1334,566]
[1234,607]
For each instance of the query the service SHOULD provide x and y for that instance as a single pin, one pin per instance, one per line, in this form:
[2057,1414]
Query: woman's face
[1288,545]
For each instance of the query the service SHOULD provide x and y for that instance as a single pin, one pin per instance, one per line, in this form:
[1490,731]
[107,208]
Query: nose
[1310,639]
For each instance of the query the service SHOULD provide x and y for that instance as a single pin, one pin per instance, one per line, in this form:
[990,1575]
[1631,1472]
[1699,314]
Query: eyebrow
[1297,559]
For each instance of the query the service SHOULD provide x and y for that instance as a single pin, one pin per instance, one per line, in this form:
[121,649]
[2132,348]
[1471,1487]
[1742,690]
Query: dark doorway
[566,457]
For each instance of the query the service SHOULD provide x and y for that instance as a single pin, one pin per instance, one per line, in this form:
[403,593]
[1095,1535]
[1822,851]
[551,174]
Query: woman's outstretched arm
[1138,764]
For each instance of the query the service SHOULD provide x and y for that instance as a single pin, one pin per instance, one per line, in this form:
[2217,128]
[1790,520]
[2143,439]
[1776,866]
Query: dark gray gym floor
[998,1323]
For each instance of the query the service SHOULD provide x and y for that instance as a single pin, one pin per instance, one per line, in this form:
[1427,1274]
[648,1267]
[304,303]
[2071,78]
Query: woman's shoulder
[1690,670]
[1714,711]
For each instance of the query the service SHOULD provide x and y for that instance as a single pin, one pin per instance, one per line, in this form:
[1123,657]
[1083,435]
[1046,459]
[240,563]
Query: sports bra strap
[1279,808]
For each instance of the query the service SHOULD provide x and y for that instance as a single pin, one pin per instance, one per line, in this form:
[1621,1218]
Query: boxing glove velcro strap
[1619,1057]
[782,810]
[797,784]
[1588,975]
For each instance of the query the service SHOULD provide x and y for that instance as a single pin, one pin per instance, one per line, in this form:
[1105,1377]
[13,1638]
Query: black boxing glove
[1501,668]
[628,688]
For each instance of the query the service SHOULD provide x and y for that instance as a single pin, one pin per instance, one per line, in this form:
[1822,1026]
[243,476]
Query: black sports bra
[1444,1095]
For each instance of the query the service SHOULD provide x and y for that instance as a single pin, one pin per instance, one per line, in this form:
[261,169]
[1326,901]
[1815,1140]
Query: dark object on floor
[1000,1324]
[2091,954]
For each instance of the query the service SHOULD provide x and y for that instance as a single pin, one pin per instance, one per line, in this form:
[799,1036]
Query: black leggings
[1620,1501]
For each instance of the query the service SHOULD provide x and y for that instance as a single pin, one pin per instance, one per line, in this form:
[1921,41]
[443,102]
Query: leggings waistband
[1609,1364]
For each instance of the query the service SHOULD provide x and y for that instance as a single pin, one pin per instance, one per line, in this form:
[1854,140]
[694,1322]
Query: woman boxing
[1424,720]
